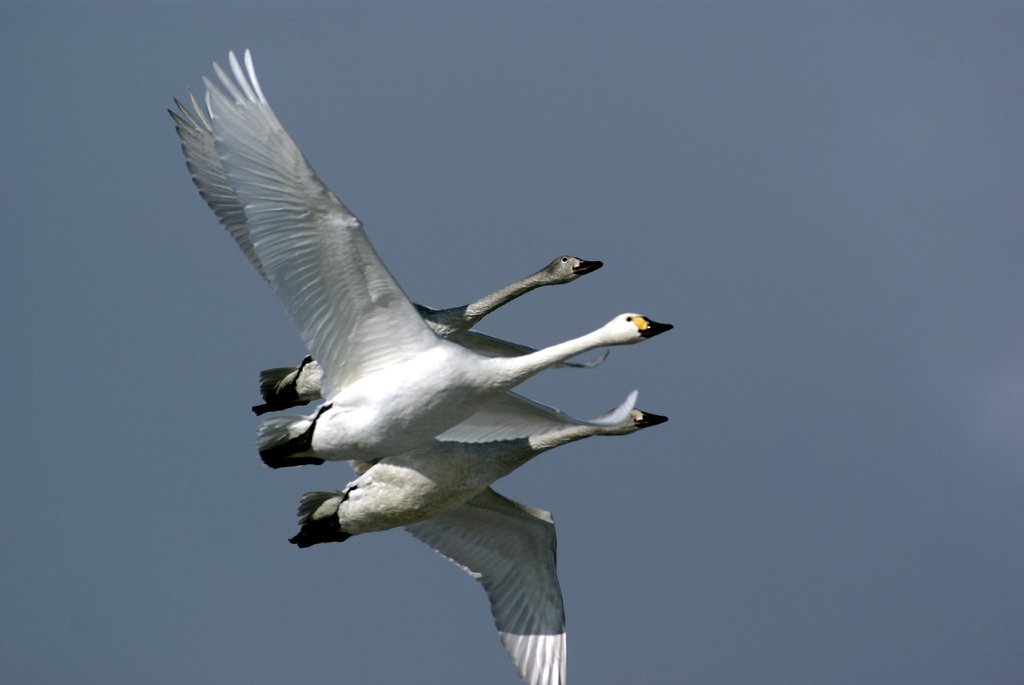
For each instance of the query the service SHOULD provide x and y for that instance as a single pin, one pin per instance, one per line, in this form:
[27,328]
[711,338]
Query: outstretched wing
[350,312]
[510,549]
[196,133]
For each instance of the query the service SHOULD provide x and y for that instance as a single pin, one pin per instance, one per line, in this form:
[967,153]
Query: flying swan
[441,494]
[285,387]
[391,383]
[293,386]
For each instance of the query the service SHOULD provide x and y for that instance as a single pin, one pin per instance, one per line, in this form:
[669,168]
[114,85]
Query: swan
[285,387]
[441,494]
[391,383]
[404,405]
[293,386]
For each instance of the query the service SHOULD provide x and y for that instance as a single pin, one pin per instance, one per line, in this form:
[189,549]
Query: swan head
[567,268]
[626,418]
[643,419]
[637,419]
[630,328]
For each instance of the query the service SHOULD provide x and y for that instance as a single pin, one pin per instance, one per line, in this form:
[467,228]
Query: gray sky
[825,198]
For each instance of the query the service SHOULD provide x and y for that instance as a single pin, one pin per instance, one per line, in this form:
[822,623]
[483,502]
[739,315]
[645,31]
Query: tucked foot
[288,440]
[286,387]
[318,517]
[284,462]
[324,530]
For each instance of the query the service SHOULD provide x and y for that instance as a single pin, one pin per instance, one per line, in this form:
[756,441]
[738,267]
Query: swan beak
[585,267]
[647,419]
[648,328]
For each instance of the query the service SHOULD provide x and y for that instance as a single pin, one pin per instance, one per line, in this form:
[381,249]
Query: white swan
[393,383]
[293,386]
[285,387]
[441,494]
[401,406]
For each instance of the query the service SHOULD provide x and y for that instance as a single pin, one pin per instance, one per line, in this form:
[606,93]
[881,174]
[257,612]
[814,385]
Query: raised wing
[350,312]
[511,416]
[196,133]
[510,549]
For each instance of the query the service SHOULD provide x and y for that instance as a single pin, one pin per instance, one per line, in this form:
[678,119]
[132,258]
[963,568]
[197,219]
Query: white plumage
[441,494]
[285,387]
[391,383]
[427,423]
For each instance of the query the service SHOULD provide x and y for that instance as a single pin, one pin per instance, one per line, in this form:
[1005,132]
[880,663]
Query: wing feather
[350,312]
[196,134]
[510,549]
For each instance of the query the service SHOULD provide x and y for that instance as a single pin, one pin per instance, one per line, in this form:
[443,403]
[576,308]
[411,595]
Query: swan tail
[277,387]
[318,519]
[287,441]
[284,387]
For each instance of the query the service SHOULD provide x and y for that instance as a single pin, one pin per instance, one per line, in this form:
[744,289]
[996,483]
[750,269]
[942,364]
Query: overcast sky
[824,198]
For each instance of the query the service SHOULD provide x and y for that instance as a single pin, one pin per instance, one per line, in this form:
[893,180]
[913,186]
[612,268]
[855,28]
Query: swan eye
[564,260]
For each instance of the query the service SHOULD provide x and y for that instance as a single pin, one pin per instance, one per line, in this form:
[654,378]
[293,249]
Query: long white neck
[488,461]
[510,371]
[562,436]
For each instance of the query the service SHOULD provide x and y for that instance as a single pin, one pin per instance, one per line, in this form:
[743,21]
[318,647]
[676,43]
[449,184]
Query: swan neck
[518,369]
[562,436]
[499,458]
[477,310]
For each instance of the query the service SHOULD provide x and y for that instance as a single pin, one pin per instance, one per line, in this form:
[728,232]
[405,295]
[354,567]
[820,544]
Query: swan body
[391,383]
[441,494]
[446,472]
[286,387]
[406,404]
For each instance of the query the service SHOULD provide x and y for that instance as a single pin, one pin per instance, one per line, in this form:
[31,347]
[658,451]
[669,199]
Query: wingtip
[620,413]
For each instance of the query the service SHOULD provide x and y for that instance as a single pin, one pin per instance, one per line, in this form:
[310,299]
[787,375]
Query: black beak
[654,328]
[585,267]
[646,419]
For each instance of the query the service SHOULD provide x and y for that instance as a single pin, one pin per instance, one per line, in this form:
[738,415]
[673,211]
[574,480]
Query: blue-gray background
[826,199]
